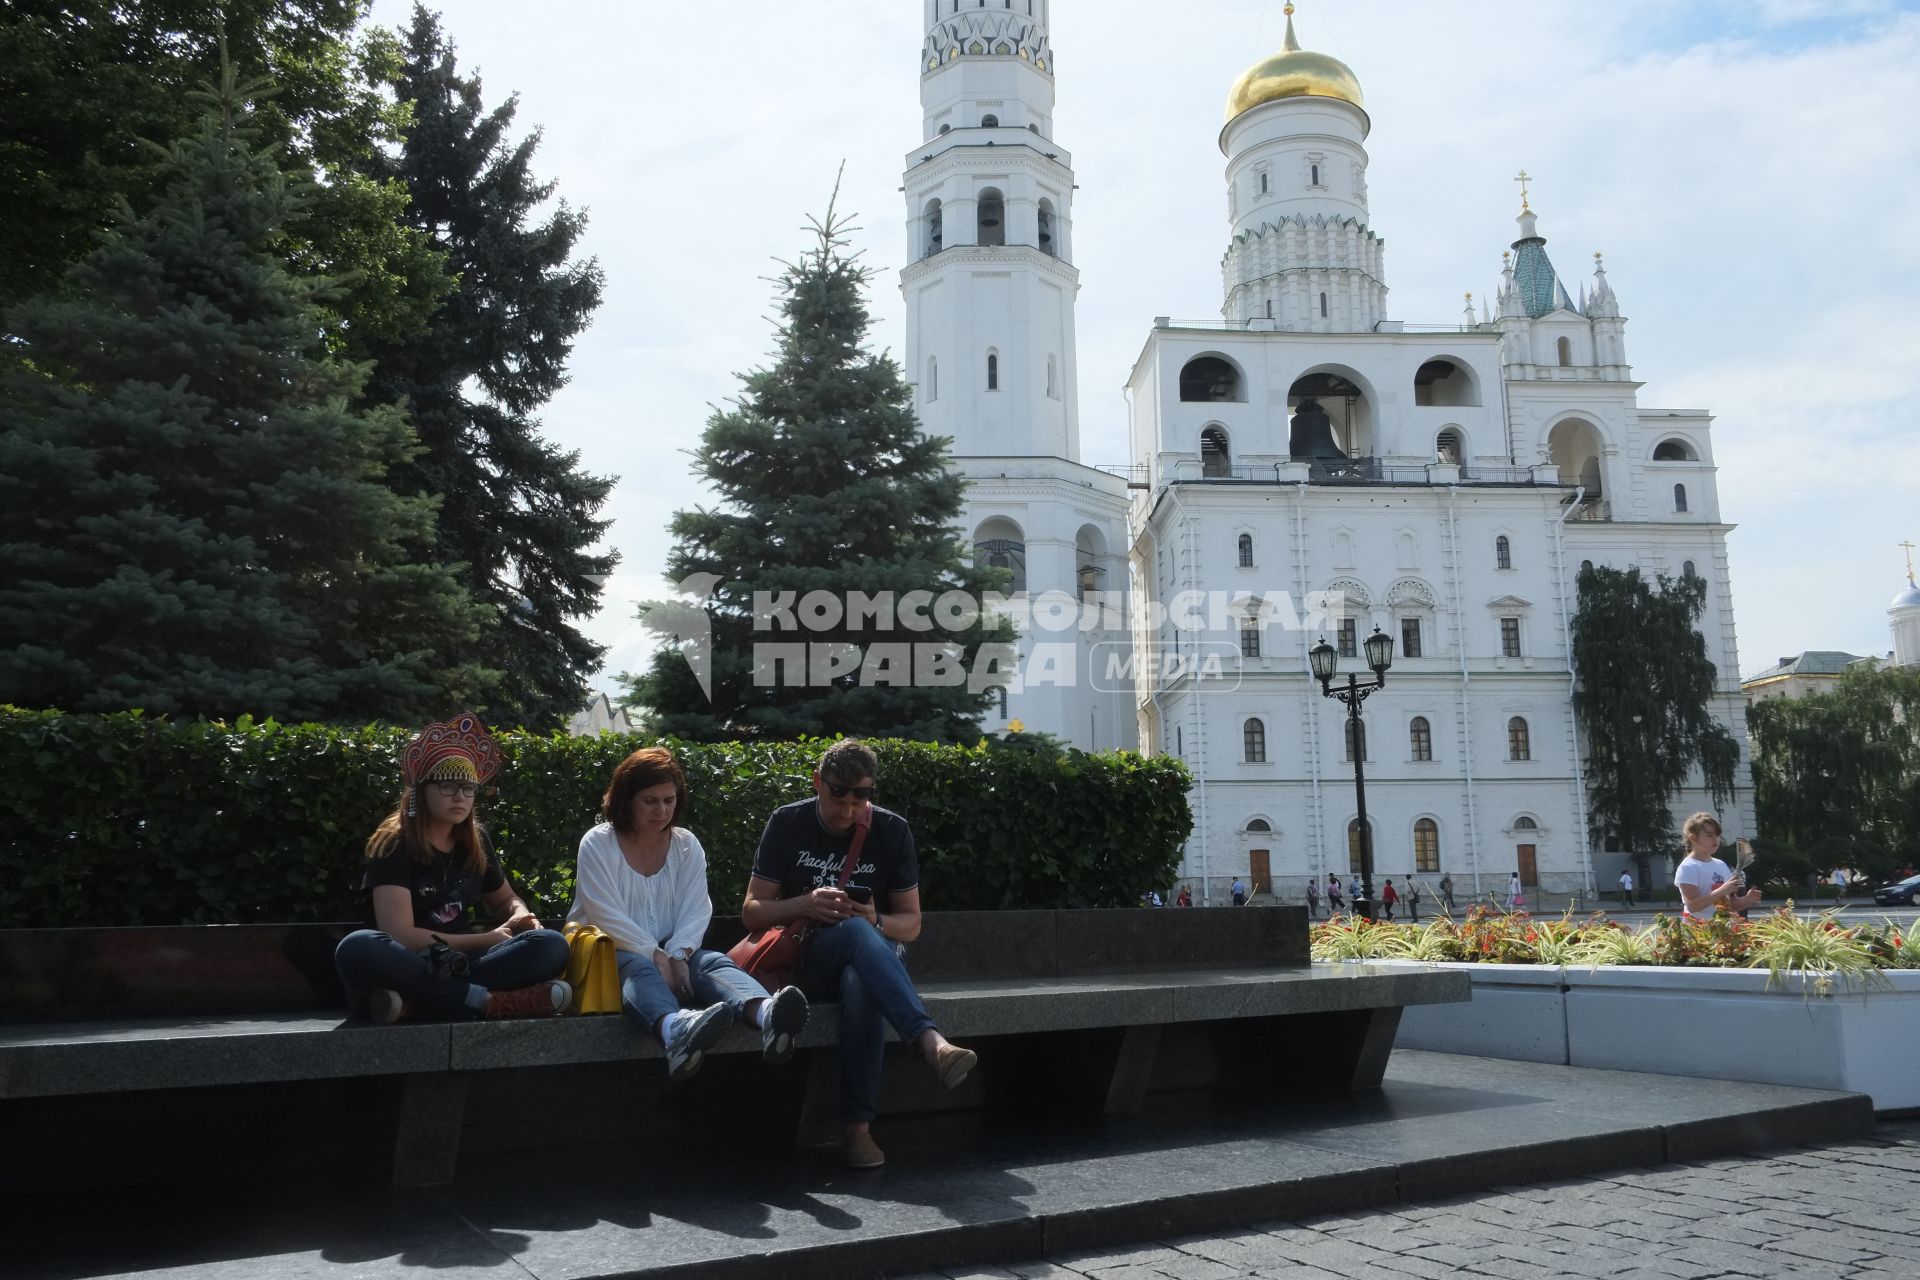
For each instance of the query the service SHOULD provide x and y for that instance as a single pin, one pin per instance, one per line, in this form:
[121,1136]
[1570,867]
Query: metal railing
[1592,510]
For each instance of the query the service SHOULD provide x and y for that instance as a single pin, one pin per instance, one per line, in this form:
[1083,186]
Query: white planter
[1724,1024]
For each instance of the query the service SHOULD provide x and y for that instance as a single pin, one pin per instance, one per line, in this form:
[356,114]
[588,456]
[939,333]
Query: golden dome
[1295,73]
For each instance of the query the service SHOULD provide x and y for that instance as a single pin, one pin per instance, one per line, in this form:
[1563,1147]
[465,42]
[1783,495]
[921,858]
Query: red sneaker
[542,1000]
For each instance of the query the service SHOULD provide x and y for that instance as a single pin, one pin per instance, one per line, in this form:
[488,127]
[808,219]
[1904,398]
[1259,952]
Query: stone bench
[1078,1011]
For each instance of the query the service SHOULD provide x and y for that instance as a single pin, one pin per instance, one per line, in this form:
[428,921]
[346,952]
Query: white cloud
[1755,190]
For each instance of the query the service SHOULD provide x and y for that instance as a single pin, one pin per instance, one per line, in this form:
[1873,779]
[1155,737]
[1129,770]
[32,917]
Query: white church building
[1446,481]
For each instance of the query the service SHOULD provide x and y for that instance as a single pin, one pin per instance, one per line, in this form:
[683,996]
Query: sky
[1750,169]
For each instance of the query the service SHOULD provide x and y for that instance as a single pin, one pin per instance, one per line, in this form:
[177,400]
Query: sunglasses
[839,792]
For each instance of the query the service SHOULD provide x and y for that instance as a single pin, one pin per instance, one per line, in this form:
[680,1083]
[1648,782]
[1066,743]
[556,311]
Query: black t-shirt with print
[798,853]
[443,888]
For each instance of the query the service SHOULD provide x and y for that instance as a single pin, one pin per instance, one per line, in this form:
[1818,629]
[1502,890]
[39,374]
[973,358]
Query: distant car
[1901,893]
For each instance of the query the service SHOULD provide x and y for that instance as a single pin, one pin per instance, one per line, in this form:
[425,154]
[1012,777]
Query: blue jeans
[715,979]
[851,962]
[369,960]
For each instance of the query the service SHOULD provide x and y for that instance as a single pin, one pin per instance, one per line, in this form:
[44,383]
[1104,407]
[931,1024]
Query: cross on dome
[1523,180]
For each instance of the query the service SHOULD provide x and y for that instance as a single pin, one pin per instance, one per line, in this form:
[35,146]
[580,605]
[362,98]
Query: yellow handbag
[593,970]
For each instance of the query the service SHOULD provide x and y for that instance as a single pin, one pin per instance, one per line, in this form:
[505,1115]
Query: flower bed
[1783,999]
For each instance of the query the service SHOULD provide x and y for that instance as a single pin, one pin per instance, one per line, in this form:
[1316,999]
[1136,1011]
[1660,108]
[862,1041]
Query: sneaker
[952,1063]
[862,1152]
[690,1034]
[786,1018]
[385,1006]
[542,1000]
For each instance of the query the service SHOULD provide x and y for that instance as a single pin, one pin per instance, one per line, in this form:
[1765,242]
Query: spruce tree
[193,519]
[1644,695]
[516,511]
[826,483]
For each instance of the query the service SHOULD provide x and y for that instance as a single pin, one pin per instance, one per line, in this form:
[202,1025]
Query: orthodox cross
[1523,180]
[1908,548]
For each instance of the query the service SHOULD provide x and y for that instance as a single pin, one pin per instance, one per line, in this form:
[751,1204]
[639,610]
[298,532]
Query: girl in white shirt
[1704,881]
[643,882]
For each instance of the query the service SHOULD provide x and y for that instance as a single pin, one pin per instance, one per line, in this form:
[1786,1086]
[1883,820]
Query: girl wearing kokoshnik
[642,881]
[427,864]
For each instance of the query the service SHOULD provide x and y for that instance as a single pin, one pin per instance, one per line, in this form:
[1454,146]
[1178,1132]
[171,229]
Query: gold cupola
[1294,73]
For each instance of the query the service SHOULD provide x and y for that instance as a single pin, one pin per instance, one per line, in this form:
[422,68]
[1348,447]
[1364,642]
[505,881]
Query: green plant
[1614,944]
[123,819]
[1432,943]
[1817,948]
[1354,938]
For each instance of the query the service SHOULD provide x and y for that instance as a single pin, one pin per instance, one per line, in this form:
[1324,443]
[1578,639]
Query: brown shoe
[952,1063]
[862,1151]
[541,1000]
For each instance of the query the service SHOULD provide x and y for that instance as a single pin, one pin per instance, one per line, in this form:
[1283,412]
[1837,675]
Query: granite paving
[1848,1210]
[1450,1168]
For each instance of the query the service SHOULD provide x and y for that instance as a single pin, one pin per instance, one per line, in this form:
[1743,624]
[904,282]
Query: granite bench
[1087,1012]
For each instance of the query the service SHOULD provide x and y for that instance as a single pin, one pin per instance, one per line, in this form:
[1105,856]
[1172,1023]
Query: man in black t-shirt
[853,950]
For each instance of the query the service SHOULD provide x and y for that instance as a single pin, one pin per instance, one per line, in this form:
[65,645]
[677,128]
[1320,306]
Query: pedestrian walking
[1334,905]
[1626,888]
[1313,898]
[1186,896]
[1413,901]
[1238,891]
[1516,894]
[1389,897]
[1446,892]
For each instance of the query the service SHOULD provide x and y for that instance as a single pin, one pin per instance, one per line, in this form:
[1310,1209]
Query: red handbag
[769,956]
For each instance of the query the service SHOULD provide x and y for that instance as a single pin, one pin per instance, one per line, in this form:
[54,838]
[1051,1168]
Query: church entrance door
[1529,865]
[1261,870]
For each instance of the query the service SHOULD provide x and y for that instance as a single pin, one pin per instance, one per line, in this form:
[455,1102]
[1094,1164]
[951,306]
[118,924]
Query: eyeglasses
[839,792]
[451,789]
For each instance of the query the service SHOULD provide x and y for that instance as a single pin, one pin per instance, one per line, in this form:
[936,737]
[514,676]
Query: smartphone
[859,895]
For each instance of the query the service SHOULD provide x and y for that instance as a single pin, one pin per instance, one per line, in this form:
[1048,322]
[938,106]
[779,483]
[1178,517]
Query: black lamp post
[1325,661]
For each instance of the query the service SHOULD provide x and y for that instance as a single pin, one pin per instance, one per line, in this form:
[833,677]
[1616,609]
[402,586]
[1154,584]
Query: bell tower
[990,286]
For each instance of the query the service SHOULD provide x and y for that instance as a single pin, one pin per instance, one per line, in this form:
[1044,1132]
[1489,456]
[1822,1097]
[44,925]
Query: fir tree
[1644,697]
[826,484]
[89,85]
[192,518]
[516,511]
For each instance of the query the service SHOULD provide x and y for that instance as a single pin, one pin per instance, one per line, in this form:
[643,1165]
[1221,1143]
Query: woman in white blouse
[643,882]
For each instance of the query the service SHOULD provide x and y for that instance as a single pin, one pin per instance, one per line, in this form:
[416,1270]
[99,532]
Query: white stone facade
[1478,465]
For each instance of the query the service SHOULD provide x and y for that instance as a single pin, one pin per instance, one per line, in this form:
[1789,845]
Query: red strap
[862,822]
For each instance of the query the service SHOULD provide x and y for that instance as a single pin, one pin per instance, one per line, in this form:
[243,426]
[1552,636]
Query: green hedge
[120,820]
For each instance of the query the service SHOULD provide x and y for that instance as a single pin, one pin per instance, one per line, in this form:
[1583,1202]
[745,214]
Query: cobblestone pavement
[1850,1210]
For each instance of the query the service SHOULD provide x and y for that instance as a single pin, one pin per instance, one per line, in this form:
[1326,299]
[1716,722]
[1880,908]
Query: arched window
[1253,736]
[933,378]
[1450,448]
[936,232]
[1216,459]
[1053,378]
[1263,184]
[1246,551]
[1046,229]
[1585,565]
[1208,380]
[1002,692]
[1444,382]
[1687,569]
[1316,175]
[991,217]
[993,371]
[1323,306]
[1420,738]
[945,129]
[1426,845]
[1353,844]
[1249,637]
[1356,737]
[999,543]
[1519,741]
[1565,346]
[1502,552]
[1680,498]
[1524,823]
[1674,451]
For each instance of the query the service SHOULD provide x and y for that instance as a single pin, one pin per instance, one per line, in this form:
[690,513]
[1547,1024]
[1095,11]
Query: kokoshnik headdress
[456,750]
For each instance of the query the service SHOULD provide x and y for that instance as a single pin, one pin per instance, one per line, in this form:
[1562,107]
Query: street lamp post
[1325,661]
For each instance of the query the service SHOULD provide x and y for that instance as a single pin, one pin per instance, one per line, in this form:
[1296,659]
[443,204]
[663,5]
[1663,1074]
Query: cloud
[1748,170]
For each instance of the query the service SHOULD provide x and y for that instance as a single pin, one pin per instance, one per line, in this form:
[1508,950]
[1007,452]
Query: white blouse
[667,911]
